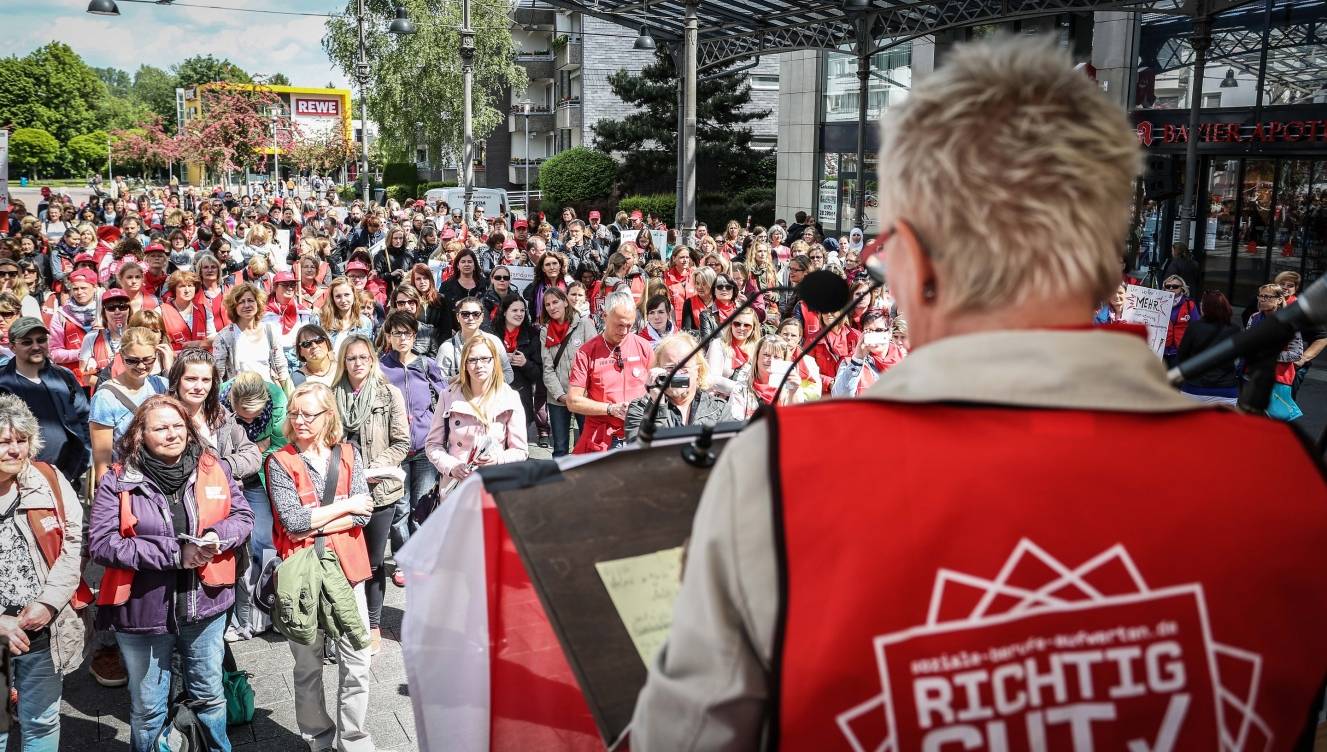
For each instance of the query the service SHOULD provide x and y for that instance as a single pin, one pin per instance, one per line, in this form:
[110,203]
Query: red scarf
[680,282]
[288,316]
[557,331]
[509,338]
[766,392]
[739,357]
[725,309]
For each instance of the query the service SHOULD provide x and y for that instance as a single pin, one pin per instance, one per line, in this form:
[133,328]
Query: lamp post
[525,108]
[400,26]
[275,112]
[467,115]
[110,168]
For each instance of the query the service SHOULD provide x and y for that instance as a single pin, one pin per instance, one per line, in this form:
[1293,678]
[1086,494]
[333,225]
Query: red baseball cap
[155,248]
[595,214]
[83,275]
[114,293]
[521,223]
[508,244]
[637,215]
[108,233]
[85,258]
[283,277]
[357,266]
[448,234]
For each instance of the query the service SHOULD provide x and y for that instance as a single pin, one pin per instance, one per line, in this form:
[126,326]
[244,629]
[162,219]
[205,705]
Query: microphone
[1309,309]
[822,291]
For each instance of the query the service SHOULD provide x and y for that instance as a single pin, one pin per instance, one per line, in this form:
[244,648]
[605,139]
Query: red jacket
[836,347]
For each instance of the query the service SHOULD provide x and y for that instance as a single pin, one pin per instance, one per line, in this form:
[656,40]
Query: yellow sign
[643,589]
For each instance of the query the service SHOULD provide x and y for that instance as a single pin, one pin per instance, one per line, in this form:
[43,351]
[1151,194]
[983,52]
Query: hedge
[576,176]
[402,192]
[399,173]
[714,209]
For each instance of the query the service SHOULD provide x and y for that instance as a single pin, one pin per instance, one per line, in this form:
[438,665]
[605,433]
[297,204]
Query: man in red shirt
[608,373]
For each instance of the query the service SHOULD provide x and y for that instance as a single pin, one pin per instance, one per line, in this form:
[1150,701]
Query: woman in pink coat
[480,420]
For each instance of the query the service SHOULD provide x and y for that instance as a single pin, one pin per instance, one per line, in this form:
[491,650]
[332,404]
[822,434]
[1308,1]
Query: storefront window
[1255,228]
[1222,195]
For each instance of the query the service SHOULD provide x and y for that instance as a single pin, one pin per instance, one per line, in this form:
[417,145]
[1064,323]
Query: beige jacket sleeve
[63,579]
[708,687]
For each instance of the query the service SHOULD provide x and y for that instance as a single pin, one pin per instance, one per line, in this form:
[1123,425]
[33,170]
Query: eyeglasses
[139,362]
[469,314]
[407,303]
[742,325]
[311,342]
[479,360]
[117,307]
[1270,297]
[496,278]
[403,334]
[8,275]
[8,314]
[296,417]
[30,341]
[1173,287]
[359,359]
[724,287]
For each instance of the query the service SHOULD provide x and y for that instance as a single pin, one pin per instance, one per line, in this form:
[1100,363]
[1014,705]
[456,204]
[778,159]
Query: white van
[492,199]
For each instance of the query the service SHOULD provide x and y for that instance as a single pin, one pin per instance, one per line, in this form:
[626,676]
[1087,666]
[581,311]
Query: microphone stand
[820,335]
[646,432]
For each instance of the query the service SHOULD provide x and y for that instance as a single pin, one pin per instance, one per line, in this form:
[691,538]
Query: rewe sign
[318,107]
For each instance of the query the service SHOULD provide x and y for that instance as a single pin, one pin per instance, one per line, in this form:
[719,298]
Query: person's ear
[910,271]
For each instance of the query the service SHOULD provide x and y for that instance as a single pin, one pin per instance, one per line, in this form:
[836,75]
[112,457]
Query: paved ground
[96,718]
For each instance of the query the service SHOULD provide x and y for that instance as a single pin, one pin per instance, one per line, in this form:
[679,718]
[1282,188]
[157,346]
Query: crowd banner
[1144,305]
[521,278]
[629,236]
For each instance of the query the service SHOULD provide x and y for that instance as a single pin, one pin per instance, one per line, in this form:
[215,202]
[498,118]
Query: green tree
[50,88]
[33,149]
[118,82]
[155,88]
[116,113]
[87,153]
[280,79]
[646,140]
[415,96]
[206,69]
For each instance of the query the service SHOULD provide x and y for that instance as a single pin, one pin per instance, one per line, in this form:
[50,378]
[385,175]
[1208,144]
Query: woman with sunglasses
[471,316]
[693,309]
[1182,311]
[420,382]
[117,399]
[729,356]
[28,287]
[313,349]
[99,350]
[1272,298]
[499,288]
[297,479]
[722,305]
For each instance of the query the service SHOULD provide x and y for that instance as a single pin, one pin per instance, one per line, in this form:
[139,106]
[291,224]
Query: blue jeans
[420,478]
[148,659]
[38,685]
[559,417]
[261,538]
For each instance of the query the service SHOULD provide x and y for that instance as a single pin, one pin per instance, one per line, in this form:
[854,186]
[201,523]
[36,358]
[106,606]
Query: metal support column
[688,134]
[1200,42]
[362,78]
[467,115]
[863,91]
[680,201]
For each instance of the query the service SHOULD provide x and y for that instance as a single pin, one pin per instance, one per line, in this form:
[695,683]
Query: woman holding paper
[479,420]
[761,386]
[165,522]
[875,354]
[374,419]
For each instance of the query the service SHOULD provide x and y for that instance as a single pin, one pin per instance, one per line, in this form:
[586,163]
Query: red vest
[101,354]
[178,331]
[348,544]
[996,585]
[213,506]
[48,530]
[1179,323]
[73,335]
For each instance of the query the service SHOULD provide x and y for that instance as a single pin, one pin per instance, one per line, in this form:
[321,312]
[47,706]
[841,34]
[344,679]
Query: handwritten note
[643,589]
[1151,307]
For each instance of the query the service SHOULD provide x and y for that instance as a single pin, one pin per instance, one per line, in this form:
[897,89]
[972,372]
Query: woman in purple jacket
[421,382]
[164,523]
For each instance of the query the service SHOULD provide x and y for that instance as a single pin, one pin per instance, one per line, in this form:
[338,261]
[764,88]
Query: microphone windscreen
[824,292]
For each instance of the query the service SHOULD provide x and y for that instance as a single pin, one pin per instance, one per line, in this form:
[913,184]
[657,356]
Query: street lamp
[103,8]
[275,112]
[644,41]
[401,25]
[525,108]
[467,51]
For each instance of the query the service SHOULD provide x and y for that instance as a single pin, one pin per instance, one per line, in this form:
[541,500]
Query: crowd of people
[224,381]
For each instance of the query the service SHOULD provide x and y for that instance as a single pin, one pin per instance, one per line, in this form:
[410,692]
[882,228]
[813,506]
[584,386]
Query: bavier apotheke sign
[317,107]
[1281,128]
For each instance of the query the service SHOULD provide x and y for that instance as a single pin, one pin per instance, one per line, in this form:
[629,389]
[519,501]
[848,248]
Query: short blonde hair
[686,343]
[1016,172]
[332,431]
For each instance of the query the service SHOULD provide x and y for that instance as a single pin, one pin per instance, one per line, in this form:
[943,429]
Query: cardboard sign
[521,277]
[629,236]
[660,240]
[1151,308]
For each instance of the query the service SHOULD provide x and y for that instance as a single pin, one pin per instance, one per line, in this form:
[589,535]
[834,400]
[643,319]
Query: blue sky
[163,36]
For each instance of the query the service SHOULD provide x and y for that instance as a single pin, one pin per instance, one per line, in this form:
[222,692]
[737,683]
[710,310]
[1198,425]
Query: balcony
[569,114]
[538,65]
[568,54]
[541,121]
[527,16]
[516,172]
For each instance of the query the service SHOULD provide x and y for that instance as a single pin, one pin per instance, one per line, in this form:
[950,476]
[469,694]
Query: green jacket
[313,593]
[272,434]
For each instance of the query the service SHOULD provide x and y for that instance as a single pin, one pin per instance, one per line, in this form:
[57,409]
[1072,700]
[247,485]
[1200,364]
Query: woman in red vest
[836,347]
[678,281]
[296,484]
[165,522]
[1184,310]
[188,320]
[210,288]
[130,278]
[100,349]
